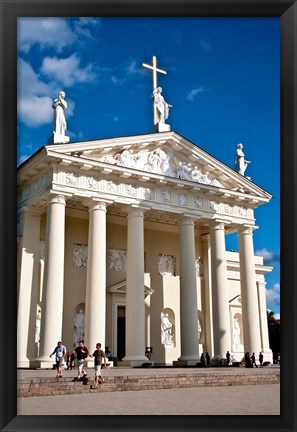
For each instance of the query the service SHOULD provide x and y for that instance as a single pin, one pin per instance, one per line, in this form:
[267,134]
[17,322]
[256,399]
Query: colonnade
[53,289]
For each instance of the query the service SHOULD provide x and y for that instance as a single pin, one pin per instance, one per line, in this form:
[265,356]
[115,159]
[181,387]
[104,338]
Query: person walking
[98,355]
[60,352]
[247,360]
[81,354]
[253,359]
[261,359]
[228,357]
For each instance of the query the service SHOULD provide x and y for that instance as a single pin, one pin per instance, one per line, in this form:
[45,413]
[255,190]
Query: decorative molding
[71,178]
[198,202]
[182,200]
[91,183]
[166,196]
[213,206]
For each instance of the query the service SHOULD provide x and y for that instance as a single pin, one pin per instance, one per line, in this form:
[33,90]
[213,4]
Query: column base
[23,363]
[186,361]
[42,363]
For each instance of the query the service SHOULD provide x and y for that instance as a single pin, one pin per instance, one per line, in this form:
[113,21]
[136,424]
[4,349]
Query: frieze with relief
[160,162]
[166,265]
[80,255]
[117,260]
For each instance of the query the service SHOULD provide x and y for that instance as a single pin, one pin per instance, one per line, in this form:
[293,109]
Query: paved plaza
[237,400]
[261,399]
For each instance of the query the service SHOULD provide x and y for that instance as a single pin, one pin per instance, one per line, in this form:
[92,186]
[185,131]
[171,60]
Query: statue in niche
[59,105]
[240,162]
[166,330]
[37,326]
[199,268]
[161,105]
[79,327]
[236,332]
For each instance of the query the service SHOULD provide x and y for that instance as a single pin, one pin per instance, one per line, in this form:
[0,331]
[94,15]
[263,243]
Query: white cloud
[268,256]
[132,68]
[35,97]
[194,92]
[29,83]
[67,71]
[35,111]
[45,32]
[273,296]
[81,26]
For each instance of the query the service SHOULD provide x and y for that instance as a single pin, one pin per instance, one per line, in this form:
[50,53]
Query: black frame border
[10,10]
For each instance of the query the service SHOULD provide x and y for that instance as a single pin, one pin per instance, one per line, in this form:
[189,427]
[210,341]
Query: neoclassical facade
[123,241]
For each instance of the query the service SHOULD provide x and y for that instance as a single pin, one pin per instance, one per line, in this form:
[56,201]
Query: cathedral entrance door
[121,332]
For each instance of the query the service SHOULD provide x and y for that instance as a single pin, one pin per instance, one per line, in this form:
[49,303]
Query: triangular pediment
[165,155]
[120,288]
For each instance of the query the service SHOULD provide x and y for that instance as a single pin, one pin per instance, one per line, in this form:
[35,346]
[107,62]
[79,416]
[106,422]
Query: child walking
[98,355]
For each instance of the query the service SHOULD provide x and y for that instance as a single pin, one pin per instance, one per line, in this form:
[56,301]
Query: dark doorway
[121,331]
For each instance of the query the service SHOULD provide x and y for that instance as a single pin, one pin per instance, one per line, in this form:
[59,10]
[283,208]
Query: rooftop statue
[160,107]
[59,126]
[240,162]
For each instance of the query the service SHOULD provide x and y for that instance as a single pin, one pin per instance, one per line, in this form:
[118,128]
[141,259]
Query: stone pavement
[247,399]
[237,400]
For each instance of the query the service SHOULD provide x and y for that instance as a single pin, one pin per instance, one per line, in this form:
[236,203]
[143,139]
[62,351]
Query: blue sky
[223,80]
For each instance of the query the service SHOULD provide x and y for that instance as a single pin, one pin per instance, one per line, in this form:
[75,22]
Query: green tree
[274,333]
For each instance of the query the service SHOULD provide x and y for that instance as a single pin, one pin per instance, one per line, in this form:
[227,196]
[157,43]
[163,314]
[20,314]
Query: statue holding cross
[160,107]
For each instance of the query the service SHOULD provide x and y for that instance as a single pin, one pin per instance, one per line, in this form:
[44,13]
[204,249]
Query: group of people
[80,353]
[205,360]
[250,360]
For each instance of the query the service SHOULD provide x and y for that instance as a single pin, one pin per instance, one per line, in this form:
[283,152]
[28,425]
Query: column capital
[187,220]
[246,229]
[97,205]
[217,225]
[56,199]
[135,211]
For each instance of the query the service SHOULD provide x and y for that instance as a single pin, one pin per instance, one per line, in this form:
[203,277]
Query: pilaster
[28,284]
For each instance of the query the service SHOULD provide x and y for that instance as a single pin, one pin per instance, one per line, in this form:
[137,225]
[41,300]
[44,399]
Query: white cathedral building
[122,241]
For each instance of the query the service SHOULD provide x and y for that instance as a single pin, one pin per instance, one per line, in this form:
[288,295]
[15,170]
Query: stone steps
[61,386]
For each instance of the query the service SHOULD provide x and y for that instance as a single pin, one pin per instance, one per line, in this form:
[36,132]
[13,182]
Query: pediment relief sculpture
[160,162]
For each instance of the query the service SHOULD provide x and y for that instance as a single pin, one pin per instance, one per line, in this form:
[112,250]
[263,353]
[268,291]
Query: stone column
[264,322]
[135,307]
[28,285]
[207,294]
[188,294]
[95,314]
[249,296]
[53,289]
[220,294]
